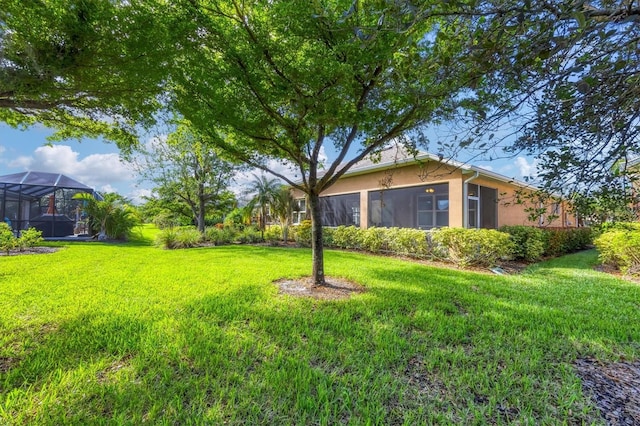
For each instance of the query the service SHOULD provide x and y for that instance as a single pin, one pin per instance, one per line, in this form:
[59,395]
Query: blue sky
[97,163]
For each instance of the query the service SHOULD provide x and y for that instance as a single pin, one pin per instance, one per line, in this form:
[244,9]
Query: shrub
[467,247]
[220,235]
[302,233]
[121,222]
[7,239]
[273,234]
[327,236]
[562,241]
[409,242]
[620,226]
[348,237]
[373,239]
[621,249]
[236,219]
[29,238]
[529,242]
[176,238]
[188,237]
[249,235]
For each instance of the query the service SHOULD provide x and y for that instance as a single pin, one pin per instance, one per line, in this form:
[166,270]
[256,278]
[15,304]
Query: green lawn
[129,333]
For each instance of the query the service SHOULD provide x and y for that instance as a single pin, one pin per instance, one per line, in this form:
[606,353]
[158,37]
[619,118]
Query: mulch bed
[32,250]
[614,388]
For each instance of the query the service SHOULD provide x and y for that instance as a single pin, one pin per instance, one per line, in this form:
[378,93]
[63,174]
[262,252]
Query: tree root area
[334,289]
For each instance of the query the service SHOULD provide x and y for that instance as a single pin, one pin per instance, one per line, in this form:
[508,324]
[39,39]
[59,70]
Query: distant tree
[188,173]
[264,191]
[282,206]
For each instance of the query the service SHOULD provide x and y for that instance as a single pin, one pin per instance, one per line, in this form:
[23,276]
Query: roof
[36,184]
[396,156]
[635,162]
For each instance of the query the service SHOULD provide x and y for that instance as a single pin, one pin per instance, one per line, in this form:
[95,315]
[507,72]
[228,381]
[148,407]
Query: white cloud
[486,167]
[96,170]
[137,195]
[107,188]
[526,168]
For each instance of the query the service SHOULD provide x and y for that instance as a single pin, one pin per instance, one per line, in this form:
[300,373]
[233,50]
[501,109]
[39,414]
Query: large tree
[187,171]
[84,67]
[284,80]
[574,103]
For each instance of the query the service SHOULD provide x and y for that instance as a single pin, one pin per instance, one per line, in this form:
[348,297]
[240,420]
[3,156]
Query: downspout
[465,199]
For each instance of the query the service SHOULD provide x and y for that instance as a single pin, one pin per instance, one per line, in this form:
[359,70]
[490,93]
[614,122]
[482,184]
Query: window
[422,207]
[340,210]
[299,211]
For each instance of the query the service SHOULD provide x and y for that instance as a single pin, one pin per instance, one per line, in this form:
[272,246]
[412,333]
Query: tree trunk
[317,245]
[201,208]
[285,231]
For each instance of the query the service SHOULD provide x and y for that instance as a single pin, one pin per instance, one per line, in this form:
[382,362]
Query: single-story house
[398,189]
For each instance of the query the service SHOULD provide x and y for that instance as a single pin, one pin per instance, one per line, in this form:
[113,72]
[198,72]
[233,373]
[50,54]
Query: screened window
[340,210]
[423,207]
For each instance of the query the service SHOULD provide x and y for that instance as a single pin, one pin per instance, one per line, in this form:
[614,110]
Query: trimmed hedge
[562,241]
[529,242]
[474,247]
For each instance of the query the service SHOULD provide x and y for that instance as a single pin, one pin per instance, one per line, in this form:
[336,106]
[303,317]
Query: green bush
[7,239]
[29,238]
[327,237]
[121,222]
[529,242]
[249,235]
[474,247]
[302,233]
[220,236]
[177,238]
[273,234]
[236,219]
[348,237]
[620,249]
[409,242]
[373,239]
[563,241]
[620,226]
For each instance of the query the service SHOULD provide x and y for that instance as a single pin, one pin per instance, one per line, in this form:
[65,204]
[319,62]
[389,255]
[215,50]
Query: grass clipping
[334,289]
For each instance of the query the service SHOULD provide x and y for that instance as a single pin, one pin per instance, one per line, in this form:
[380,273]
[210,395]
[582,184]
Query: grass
[131,334]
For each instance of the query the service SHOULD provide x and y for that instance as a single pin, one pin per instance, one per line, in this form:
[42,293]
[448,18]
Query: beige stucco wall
[509,213]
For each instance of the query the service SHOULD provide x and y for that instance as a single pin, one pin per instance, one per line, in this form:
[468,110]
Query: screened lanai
[43,201]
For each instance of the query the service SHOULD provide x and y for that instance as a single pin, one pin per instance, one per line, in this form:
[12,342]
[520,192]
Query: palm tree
[264,190]
[282,207]
[111,214]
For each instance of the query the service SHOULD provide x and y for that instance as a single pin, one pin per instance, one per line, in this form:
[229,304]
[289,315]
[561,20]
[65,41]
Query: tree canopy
[84,67]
